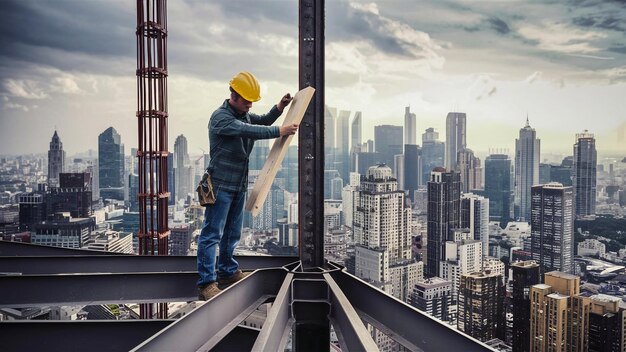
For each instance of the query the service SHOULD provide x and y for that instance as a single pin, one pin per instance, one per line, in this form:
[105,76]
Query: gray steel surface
[204,327]
[402,320]
[123,264]
[89,289]
[277,323]
[352,333]
[77,335]
[311,134]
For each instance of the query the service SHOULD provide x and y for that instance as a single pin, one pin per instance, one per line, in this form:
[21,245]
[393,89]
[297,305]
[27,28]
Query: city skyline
[380,58]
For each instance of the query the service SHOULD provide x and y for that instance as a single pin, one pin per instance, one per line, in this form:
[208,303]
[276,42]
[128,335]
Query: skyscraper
[434,297]
[607,321]
[388,142]
[551,306]
[552,227]
[181,163]
[356,130]
[498,187]
[527,151]
[444,198]
[412,169]
[525,275]
[585,165]
[471,172]
[330,114]
[382,232]
[433,153]
[455,137]
[475,217]
[410,127]
[56,160]
[342,156]
[111,164]
[481,297]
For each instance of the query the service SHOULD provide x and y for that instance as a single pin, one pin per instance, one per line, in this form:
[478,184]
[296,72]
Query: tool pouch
[206,196]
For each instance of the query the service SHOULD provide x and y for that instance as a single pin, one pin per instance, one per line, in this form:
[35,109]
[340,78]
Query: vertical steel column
[152,151]
[311,135]
[311,331]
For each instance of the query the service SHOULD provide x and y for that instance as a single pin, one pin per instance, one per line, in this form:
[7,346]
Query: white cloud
[560,37]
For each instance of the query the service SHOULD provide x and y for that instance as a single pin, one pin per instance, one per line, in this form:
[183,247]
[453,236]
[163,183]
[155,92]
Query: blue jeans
[222,225]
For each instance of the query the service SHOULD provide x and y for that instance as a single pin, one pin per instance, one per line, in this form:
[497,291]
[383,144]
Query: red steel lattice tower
[152,135]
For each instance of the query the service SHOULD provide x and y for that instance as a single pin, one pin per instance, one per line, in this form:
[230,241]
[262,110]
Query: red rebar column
[152,151]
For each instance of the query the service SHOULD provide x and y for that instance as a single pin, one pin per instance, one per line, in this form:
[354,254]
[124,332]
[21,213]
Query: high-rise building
[552,227]
[607,323]
[471,172]
[527,151]
[348,197]
[461,257]
[171,179]
[498,187]
[180,239]
[356,130]
[434,297]
[563,173]
[584,168]
[111,164]
[133,185]
[61,230]
[525,275]
[410,127]
[382,232]
[56,160]
[181,166]
[475,217]
[398,170]
[481,297]
[433,153]
[73,195]
[330,115]
[444,198]
[388,141]
[111,241]
[551,313]
[412,169]
[455,137]
[342,156]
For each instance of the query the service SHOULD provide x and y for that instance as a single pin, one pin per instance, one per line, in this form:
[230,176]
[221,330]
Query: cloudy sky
[70,64]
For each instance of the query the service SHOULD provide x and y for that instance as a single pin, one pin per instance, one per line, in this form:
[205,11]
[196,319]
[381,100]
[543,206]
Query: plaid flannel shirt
[231,138]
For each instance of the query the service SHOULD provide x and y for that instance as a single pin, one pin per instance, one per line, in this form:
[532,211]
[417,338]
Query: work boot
[238,275]
[207,292]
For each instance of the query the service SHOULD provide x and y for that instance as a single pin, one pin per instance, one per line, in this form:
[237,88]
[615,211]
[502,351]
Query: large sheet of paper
[264,181]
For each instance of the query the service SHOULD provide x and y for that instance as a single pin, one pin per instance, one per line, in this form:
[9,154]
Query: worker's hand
[288,130]
[284,101]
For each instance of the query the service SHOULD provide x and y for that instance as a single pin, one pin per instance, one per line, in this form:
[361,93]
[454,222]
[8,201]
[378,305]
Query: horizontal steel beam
[207,325]
[240,338]
[77,335]
[277,322]
[123,264]
[88,289]
[352,333]
[401,321]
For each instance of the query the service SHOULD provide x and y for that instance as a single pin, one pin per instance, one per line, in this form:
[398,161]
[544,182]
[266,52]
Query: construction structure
[308,294]
[152,151]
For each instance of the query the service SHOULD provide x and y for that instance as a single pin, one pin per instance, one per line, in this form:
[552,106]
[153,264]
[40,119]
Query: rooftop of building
[557,295]
[542,286]
[561,275]
[525,264]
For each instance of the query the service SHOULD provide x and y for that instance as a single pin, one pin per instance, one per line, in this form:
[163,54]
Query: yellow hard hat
[246,85]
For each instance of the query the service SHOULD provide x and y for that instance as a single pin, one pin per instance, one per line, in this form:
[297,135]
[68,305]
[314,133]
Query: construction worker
[232,132]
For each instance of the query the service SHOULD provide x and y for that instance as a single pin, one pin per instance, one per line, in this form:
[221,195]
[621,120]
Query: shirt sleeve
[266,119]
[225,125]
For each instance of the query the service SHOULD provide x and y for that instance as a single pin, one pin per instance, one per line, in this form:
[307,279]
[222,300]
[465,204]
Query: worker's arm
[274,113]
[227,125]
[267,119]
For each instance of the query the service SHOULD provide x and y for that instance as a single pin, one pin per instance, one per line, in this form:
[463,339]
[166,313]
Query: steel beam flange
[278,322]
[353,336]
[205,326]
